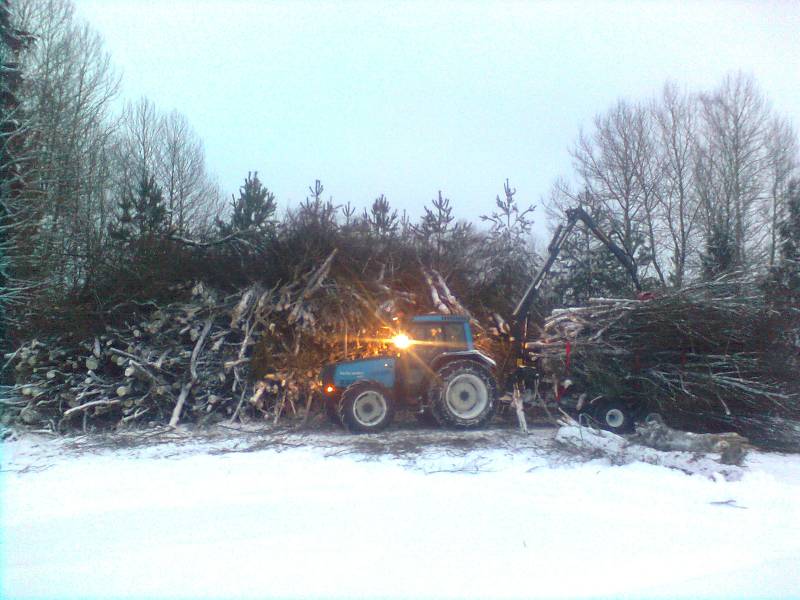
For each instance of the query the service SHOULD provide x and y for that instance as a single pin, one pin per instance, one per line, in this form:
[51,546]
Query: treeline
[690,185]
[80,165]
[105,212]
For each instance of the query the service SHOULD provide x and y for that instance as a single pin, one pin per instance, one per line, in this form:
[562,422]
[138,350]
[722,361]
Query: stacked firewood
[715,352]
[255,354]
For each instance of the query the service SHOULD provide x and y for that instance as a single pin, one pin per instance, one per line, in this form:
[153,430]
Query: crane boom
[520,314]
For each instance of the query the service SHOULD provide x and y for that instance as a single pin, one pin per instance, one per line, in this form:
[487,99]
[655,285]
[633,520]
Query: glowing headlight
[401,341]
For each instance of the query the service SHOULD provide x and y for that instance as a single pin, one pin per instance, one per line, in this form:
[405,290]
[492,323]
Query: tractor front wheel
[463,394]
[366,407]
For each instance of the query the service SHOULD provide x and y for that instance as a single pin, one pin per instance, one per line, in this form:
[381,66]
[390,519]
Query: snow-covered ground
[405,515]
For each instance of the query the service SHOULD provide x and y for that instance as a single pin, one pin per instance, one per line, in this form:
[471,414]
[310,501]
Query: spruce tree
[788,271]
[141,212]
[586,268]
[720,256]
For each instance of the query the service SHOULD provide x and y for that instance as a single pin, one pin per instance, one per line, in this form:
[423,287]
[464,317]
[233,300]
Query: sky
[408,98]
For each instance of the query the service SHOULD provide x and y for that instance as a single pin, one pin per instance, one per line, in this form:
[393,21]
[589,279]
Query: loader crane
[519,318]
[438,372]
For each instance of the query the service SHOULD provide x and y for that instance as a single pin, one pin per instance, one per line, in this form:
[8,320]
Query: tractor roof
[439,318]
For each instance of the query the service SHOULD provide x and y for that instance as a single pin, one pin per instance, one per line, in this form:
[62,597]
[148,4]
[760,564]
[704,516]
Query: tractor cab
[363,393]
[430,337]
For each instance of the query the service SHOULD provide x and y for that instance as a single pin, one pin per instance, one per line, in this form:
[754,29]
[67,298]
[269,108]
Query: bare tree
[139,145]
[689,177]
[191,196]
[649,172]
[675,117]
[68,89]
[610,163]
[732,160]
[151,144]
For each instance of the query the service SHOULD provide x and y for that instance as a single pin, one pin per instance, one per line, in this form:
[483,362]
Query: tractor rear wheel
[366,407]
[463,394]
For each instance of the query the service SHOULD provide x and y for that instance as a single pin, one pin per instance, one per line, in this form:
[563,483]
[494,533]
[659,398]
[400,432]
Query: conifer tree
[142,212]
[720,255]
[788,271]
[252,210]
[509,256]
[381,219]
[12,133]
[585,268]
[436,225]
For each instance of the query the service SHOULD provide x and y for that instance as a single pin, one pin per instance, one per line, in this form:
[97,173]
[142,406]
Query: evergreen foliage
[381,219]
[786,274]
[141,212]
[790,228]
[510,258]
[720,256]
[254,209]
[586,269]
[437,230]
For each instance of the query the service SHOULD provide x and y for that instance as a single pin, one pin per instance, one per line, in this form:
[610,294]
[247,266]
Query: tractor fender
[475,355]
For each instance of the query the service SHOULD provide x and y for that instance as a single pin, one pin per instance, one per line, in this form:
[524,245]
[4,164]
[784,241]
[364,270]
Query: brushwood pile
[211,357]
[714,356]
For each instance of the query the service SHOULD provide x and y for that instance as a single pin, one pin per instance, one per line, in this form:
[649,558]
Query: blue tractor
[438,373]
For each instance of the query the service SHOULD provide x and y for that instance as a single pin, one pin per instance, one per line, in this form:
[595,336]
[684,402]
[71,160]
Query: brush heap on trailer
[715,355]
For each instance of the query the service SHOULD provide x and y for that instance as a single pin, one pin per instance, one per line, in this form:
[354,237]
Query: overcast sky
[410,98]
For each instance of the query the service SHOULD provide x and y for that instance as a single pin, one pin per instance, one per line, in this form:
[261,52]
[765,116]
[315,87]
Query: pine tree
[252,210]
[435,227]
[507,222]
[348,212]
[381,219]
[509,257]
[317,217]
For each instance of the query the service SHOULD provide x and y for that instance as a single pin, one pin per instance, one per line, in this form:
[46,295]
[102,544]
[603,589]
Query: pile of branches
[713,355]
[255,354]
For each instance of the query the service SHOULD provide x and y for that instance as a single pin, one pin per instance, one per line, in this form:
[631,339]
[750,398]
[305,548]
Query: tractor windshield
[437,336]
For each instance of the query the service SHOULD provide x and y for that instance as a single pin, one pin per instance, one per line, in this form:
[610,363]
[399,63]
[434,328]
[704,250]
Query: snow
[493,515]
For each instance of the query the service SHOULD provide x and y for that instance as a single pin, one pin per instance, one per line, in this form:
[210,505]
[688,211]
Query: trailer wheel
[366,407]
[463,395]
[613,416]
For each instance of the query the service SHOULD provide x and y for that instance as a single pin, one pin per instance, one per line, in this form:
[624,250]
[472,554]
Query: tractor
[437,371]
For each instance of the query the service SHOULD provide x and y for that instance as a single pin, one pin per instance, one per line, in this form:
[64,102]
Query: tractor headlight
[402,341]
